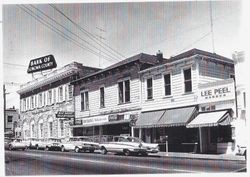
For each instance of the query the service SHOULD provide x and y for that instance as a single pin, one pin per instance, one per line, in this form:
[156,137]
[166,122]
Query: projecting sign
[216,92]
[65,114]
[42,63]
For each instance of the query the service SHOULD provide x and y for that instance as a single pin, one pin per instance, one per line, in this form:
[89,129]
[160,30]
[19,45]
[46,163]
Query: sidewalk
[200,156]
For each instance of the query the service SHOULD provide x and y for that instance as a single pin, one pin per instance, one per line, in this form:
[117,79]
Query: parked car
[6,142]
[78,144]
[41,144]
[242,150]
[17,143]
[31,142]
[52,144]
[128,145]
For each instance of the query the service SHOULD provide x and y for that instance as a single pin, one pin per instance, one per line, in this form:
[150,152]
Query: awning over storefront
[210,119]
[165,118]
[149,119]
[176,117]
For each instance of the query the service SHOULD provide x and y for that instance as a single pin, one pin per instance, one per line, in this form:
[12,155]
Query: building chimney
[159,56]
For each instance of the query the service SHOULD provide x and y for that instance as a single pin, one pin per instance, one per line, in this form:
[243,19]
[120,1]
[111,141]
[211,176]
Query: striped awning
[149,119]
[211,119]
[165,118]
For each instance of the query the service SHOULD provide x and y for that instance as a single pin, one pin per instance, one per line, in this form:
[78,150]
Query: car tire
[103,151]
[77,149]
[63,149]
[126,152]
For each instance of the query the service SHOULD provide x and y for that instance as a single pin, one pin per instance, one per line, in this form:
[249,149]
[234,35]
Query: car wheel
[126,152]
[63,149]
[10,147]
[77,149]
[103,151]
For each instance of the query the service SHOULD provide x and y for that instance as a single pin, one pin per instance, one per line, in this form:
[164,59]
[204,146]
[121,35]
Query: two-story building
[108,101]
[190,99]
[42,98]
[11,120]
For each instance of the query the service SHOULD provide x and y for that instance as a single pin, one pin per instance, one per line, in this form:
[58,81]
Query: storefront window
[221,134]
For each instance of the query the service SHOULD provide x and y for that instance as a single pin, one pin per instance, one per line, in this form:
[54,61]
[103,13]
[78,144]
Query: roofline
[108,69]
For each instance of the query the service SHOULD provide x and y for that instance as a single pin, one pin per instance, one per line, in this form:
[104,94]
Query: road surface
[35,162]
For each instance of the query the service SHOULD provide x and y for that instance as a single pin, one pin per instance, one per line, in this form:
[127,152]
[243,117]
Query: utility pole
[4,105]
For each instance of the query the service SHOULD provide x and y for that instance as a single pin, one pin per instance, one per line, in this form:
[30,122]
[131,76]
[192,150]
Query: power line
[70,31]
[90,35]
[13,64]
[190,45]
[53,28]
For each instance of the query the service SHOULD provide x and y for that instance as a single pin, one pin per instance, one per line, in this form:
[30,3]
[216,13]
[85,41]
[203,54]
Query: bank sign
[217,91]
[42,63]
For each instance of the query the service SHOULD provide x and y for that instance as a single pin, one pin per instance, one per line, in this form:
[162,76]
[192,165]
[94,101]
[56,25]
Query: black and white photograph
[123,87]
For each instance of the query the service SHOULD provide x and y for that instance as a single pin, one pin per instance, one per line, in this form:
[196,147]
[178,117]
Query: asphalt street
[35,162]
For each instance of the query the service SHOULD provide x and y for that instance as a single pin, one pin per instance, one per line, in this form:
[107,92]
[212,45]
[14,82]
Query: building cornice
[46,80]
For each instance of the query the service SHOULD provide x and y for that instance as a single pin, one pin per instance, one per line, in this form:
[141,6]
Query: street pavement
[35,162]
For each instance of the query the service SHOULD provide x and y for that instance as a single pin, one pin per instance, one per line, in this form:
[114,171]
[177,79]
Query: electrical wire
[90,35]
[69,30]
[65,36]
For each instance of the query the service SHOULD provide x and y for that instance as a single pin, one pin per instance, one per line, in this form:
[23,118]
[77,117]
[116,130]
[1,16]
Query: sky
[128,28]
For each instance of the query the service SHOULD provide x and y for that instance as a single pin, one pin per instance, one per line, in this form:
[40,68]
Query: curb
[239,158]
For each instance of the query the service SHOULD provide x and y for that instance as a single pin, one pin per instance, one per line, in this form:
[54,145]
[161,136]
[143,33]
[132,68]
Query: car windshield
[133,139]
[55,140]
[85,139]
[18,140]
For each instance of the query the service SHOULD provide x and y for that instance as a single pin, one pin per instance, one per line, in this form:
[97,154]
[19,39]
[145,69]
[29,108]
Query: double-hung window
[187,80]
[149,88]
[84,101]
[102,100]
[124,91]
[49,97]
[167,84]
[32,102]
[40,99]
[70,92]
[60,94]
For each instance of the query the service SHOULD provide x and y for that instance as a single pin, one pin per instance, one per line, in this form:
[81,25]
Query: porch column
[200,139]
[140,133]
[132,131]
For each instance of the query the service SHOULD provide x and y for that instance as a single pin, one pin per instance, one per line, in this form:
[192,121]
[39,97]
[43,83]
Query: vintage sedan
[17,143]
[41,144]
[31,142]
[78,144]
[128,145]
[53,144]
